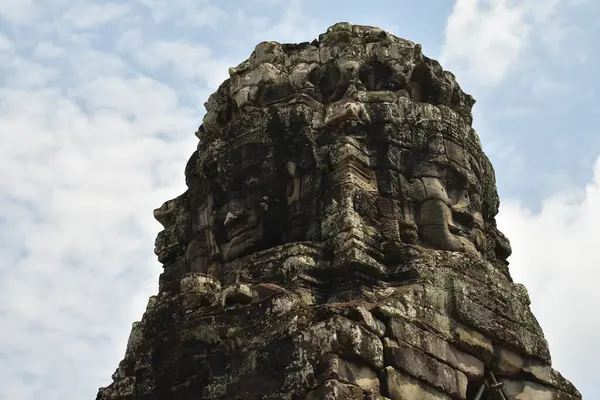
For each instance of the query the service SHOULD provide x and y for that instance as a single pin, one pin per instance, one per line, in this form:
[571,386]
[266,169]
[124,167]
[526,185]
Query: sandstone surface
[337,240]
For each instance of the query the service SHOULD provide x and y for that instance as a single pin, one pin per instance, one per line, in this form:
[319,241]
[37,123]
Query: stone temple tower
[337,240]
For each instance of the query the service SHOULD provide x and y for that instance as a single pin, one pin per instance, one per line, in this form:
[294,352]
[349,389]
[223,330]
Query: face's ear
[290,166]
[292,183]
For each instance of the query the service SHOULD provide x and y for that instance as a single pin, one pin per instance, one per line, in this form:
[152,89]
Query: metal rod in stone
[499,386]
[480,391]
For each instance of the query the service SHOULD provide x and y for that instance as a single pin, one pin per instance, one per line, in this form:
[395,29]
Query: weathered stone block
[501,329]
[347,338]
[199,290]
[523,390]
[436,347]
[472,367]
[508,363]
[439,323]
[356,312]
[464,338]
[473,342]
[334,390]
[399,386]
[169,280]
[366,319]
[335,367]
[508,302]
[423,367]
[236,294]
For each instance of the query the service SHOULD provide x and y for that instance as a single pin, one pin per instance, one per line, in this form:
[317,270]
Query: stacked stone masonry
[337,241]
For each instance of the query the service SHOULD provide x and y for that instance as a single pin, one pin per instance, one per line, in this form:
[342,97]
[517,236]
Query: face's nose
[236,212]
[463,217]
[231,219]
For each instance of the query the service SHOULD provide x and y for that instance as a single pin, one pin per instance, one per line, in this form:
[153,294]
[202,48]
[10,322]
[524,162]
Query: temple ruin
[337,240]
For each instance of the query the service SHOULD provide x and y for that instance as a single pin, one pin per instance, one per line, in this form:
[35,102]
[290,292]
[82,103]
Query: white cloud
[292,25]
[487,39]
[21,72]
[186,12]
[89,15]
[185,61]
[555,254]
[18,11]
[545,87]
[5,44]
[88,63]
[89,147]
[47,49]
[78,190]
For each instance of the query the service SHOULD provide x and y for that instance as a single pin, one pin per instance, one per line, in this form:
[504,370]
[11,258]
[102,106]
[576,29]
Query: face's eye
[392,85]
[475,196]
[236,184]
[253,182]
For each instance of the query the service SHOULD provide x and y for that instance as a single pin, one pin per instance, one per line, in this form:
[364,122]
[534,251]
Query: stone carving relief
[383,130]
[337,241]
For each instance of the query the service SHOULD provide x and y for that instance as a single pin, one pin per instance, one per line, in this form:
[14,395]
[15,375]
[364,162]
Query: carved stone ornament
[337,241]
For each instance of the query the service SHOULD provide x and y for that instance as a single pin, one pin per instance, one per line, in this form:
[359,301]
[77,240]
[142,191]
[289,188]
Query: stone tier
[337,240]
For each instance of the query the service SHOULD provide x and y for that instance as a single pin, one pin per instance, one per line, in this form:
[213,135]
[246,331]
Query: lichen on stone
[337,240]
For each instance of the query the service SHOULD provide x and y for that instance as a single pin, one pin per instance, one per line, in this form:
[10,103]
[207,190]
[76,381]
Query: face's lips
[460,230]
[298,217]
[240,234]
[455,230]
[462,223]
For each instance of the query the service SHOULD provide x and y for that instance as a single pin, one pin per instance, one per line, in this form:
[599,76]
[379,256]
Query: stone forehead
[299,120]
[276,70]
[291,76]
[343,41]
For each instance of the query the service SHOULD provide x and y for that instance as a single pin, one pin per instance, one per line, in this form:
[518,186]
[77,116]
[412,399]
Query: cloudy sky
[99,101]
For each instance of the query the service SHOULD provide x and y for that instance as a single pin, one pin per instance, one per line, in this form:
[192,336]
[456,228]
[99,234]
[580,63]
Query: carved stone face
[245,203]
[413,185]
[450,215]
[301,191]
[174,215]
[432,173]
